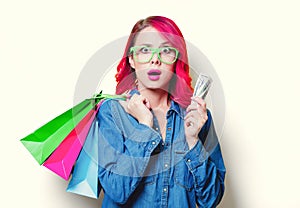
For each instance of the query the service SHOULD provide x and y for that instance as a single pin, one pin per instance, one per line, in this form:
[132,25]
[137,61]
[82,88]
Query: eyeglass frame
[154,50]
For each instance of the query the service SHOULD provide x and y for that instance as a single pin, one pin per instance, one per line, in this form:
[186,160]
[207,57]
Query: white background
[253,45]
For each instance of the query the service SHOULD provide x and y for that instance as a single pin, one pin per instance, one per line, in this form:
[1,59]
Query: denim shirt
[138,169]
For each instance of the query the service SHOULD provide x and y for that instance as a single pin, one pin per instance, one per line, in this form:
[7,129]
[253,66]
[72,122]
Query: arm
[206,164]
[123,156]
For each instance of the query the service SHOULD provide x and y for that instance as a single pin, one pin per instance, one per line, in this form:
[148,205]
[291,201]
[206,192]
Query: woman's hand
[194,120]
[139,107]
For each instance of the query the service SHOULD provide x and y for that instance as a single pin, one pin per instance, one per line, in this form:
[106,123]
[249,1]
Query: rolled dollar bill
[202,86]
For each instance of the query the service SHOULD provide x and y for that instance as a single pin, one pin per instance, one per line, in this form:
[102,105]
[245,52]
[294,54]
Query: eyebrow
[165,43]
[162,44]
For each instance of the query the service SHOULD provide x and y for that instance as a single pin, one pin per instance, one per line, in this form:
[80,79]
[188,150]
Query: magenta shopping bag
[61,161]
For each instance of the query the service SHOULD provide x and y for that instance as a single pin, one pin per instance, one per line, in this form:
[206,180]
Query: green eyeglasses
[144,54]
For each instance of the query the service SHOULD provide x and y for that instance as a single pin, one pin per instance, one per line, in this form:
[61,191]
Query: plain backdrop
[253,46]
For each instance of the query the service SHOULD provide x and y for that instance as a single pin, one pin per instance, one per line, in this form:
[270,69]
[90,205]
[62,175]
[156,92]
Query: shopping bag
[84,179]
[68,132]
[42,142]
[61,161]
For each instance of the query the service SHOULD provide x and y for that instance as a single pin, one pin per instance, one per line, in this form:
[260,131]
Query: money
[202,86]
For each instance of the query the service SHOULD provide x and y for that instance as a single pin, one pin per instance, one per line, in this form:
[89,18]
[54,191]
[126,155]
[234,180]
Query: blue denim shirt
[138,169]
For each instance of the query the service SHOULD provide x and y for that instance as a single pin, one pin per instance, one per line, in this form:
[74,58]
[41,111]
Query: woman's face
[152,74]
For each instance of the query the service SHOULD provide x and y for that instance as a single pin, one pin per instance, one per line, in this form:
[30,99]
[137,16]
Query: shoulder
[109,106]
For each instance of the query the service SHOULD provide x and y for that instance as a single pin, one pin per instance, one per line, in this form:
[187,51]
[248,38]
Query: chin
[157,87]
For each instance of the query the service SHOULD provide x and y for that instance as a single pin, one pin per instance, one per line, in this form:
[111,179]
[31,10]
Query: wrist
[147,122]
[192,141]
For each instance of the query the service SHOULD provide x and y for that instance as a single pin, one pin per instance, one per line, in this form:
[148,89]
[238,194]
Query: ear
[131,62]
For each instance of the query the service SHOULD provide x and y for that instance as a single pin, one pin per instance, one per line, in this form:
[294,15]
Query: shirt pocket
[183,177]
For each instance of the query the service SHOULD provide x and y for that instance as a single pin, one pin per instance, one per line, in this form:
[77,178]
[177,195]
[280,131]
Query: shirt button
[166,165]
[153,143]
[165,189]
[189,160]
[156,129]
[169,128]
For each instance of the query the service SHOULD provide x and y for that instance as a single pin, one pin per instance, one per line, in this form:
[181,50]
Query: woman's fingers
[138,101]
[199,101]
[139,107]
[196,114]
[197,105]
[195,119]
[196,102]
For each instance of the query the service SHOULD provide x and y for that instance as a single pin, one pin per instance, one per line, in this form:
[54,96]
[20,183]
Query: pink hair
[181,90]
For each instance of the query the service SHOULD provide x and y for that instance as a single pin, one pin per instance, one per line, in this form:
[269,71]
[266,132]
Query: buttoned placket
[166,161]
[166,154]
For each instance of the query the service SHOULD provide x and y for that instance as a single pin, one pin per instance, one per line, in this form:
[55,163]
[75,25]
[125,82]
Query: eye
[145,50]
[166,50]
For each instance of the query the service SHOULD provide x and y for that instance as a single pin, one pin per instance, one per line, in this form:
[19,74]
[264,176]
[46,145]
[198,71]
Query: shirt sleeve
[124,151]
[206,164]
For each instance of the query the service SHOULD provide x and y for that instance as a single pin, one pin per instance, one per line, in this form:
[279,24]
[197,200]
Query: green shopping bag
[42,142]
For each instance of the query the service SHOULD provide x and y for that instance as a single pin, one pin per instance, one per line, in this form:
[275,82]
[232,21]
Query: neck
[158,98]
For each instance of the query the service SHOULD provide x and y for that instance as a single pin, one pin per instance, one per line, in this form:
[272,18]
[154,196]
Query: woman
[151,147]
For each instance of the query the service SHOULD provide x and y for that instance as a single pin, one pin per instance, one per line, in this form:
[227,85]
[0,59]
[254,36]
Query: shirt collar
[174,106]
[134,91]
[177,108]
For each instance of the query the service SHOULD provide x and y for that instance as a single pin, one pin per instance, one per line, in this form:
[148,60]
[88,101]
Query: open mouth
[154,72]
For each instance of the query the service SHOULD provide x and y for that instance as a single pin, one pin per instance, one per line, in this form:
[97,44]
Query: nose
[155,60]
